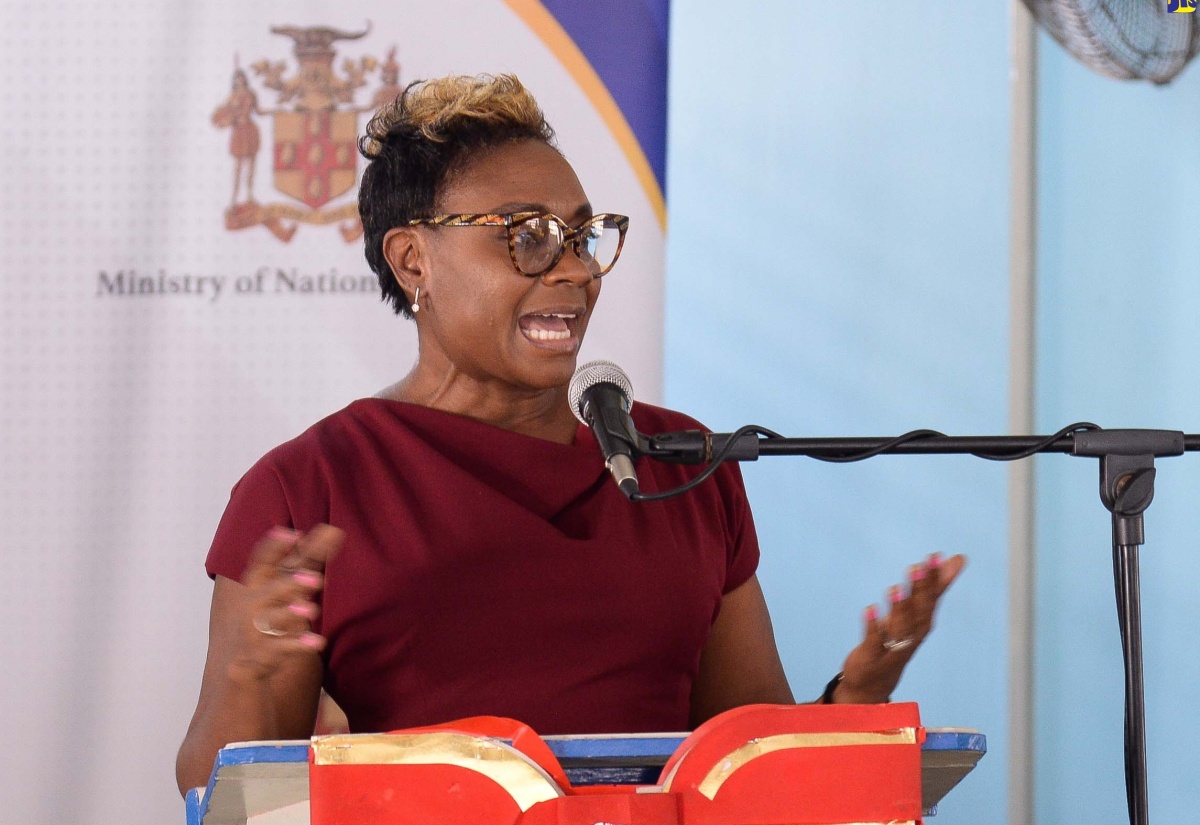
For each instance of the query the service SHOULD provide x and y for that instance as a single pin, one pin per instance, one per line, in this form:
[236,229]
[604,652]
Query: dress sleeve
[257,503]
[743,550]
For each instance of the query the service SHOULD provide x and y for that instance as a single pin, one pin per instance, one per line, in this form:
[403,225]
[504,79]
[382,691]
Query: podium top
[252,778]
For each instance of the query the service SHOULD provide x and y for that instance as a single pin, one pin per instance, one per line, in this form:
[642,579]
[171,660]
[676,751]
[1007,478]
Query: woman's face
[490,321]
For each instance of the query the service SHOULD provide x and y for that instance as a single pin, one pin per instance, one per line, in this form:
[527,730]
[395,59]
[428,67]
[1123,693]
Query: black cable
[918,435]
[1070,429]
[719,457]
[914,435]
[1122,619]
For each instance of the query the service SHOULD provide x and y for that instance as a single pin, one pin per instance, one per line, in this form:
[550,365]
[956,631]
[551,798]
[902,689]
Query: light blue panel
[1119,299]
[837,265]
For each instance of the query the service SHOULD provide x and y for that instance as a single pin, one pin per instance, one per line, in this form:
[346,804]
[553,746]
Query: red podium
[757,765]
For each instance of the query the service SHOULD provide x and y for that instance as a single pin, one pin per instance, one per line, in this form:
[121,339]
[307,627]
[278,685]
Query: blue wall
[1119,335]
[837,265]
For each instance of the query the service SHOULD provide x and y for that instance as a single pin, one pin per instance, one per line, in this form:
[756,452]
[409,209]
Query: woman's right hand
[282,580]
[262,676]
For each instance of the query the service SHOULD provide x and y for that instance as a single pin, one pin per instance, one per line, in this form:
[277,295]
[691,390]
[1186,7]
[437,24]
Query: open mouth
[551,327]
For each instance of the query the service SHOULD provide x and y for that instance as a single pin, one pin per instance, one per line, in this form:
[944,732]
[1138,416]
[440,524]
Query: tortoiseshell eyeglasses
[536,240]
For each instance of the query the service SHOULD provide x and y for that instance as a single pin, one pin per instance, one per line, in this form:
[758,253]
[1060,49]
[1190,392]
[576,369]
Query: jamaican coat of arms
[315,132]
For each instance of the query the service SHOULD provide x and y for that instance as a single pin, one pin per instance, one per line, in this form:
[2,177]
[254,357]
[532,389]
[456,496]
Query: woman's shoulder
[337,433]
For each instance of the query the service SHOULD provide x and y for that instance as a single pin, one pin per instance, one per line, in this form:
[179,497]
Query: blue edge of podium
[607,760]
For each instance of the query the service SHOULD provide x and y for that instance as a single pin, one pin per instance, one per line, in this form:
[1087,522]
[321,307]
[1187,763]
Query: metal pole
[1022,565]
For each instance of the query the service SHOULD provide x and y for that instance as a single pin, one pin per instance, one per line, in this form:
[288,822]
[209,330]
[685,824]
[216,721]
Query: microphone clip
[699,447]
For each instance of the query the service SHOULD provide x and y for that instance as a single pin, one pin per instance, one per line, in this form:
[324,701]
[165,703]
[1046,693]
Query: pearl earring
[415,306]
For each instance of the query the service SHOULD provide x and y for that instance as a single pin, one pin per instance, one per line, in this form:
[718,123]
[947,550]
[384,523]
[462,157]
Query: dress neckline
[582,435]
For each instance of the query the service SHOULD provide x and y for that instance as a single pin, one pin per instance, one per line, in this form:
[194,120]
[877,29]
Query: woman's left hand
[872,670]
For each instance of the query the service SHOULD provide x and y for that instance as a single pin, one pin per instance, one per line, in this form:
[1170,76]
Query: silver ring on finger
[894,645]
[264,627]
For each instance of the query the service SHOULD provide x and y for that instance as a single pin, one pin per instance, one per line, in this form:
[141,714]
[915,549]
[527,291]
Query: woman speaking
[454,546]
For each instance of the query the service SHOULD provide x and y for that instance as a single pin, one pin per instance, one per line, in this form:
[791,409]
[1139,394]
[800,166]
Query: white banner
[162,328]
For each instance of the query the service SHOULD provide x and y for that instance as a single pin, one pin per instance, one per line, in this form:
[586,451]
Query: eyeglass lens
[537,241]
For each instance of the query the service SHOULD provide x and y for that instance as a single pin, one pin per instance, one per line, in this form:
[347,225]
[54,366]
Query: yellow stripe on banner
[546,27]
[524,780]
[750,751]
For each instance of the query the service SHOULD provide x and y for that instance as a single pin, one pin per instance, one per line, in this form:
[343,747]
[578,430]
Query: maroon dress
[488,572]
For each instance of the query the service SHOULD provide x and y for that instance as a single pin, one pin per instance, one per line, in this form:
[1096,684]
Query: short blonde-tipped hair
[416,142]
[437,108]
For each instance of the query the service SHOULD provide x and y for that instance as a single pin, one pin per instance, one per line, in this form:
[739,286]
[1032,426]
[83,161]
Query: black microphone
[601,397]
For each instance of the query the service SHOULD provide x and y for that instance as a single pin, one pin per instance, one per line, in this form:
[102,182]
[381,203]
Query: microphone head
[597,372]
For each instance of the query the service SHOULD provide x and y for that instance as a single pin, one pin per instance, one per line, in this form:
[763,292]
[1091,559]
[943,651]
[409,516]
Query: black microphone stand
[1126,489]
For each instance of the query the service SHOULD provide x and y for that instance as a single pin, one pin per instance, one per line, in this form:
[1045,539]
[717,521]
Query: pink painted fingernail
[307,578]
[282,534]
[872,613]
[916,572]
[934,560]
[306,609]
[894,594]
[311,640]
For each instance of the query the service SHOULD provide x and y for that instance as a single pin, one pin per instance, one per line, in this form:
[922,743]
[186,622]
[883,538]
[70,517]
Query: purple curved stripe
[626,43]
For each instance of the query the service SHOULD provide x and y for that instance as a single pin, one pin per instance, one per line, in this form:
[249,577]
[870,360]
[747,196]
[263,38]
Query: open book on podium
[766,764]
